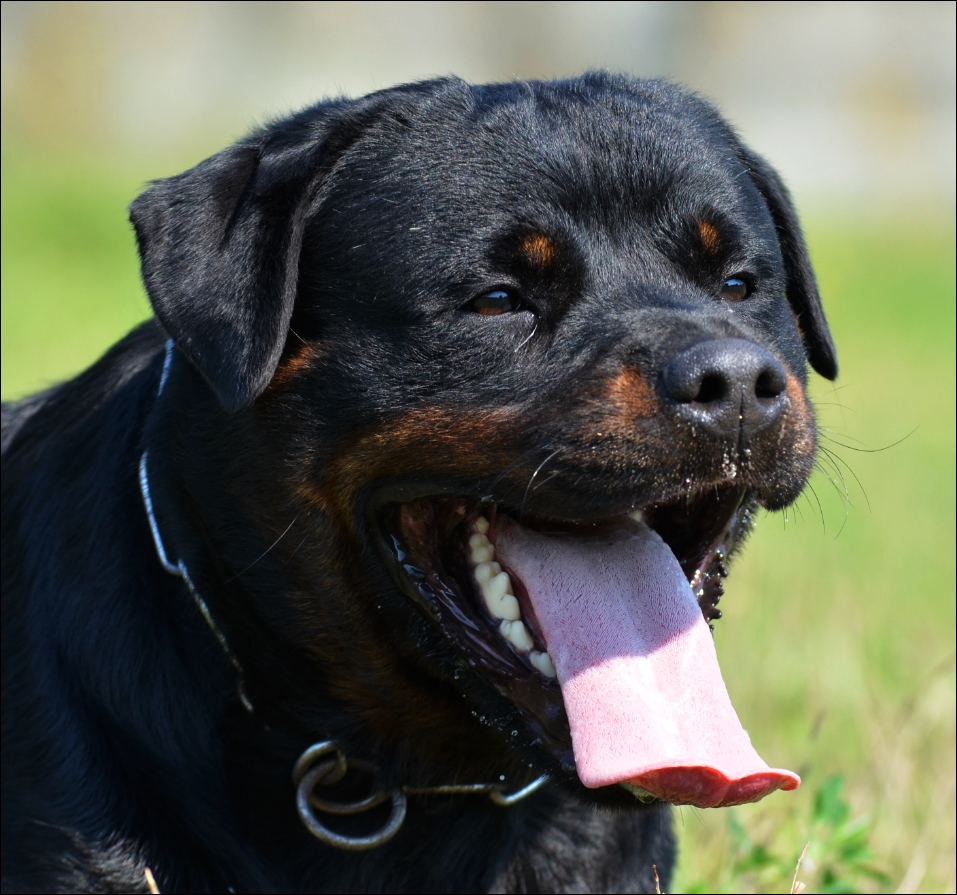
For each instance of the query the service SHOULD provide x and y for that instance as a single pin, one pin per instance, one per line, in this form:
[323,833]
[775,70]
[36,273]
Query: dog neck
[178,568]
[324,763]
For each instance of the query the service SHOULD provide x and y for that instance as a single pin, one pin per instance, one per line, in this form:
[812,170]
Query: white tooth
[516,633]
[482,554]
[501,583]
[478,539]
[499,599]
[542,663]
[481,525]
[509,608]
[506,607]
[637,515]
[496,588]
[485,571]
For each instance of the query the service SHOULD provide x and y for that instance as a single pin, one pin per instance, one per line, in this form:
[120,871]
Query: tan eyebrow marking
[710,238]
[539,250]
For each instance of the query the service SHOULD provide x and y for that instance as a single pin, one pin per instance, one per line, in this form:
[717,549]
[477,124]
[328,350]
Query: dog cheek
[442,444]
[617,422]
[294,364]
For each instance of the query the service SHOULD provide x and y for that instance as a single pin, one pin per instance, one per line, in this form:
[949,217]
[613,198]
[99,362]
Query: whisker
[887,447]
[819,464]
[841,492]
[860,484]
[833,390]
[528,339]
[545,481]
[513,466]
[820,508]
[831,459]
[797,510]
[273,544]
[824,430]
[541,465]
[291,555]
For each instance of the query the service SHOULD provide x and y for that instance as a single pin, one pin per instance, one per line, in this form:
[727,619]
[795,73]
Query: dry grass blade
[796,885]
[150,882]
[654,870]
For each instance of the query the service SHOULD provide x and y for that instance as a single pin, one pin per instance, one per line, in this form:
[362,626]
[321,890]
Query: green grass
[838,638]
[70,279]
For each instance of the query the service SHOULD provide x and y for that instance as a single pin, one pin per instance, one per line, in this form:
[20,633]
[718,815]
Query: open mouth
[598,632]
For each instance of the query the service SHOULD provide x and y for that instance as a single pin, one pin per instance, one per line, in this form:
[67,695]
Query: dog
[384,557]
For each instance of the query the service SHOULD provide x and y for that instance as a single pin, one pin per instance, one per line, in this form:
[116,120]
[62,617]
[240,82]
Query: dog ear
[219,247]
[801,288]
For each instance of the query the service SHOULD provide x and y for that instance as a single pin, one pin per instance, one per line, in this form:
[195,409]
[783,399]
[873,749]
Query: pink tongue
[637,667]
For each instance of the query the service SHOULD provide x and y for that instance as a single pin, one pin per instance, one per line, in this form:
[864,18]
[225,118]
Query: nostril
[713,387]
[771,383]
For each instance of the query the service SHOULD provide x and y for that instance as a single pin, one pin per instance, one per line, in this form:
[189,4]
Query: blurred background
[838,642]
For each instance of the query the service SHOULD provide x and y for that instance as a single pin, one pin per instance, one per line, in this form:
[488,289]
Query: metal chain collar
[325,764]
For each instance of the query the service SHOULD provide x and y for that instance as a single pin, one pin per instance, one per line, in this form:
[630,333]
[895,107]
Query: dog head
[497,372]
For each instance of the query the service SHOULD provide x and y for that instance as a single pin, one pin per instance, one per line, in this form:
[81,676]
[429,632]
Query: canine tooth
[498,596]
[542,662]
[481,525]
[517,634]
[637,515]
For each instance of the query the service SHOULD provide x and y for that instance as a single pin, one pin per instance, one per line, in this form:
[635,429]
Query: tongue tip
[706,787]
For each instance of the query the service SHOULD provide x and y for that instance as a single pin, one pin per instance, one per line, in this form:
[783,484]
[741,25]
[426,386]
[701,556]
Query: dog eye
[496,302]
[735,289]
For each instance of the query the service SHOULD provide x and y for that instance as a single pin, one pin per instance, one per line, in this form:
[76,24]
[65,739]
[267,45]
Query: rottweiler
[384,558]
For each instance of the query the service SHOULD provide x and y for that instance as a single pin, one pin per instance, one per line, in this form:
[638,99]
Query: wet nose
[729,387]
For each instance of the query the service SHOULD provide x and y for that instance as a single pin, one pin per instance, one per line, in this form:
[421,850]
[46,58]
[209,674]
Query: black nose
[729,387]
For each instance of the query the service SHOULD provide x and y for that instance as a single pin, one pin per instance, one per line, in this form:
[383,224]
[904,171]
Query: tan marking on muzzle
[800,418]
[628,397]
[426,442]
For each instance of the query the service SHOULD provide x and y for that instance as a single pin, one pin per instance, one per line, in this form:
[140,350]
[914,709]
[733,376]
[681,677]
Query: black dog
[452,392]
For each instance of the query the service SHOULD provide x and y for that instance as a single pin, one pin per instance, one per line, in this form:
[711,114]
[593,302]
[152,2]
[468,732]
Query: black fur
[318,280]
